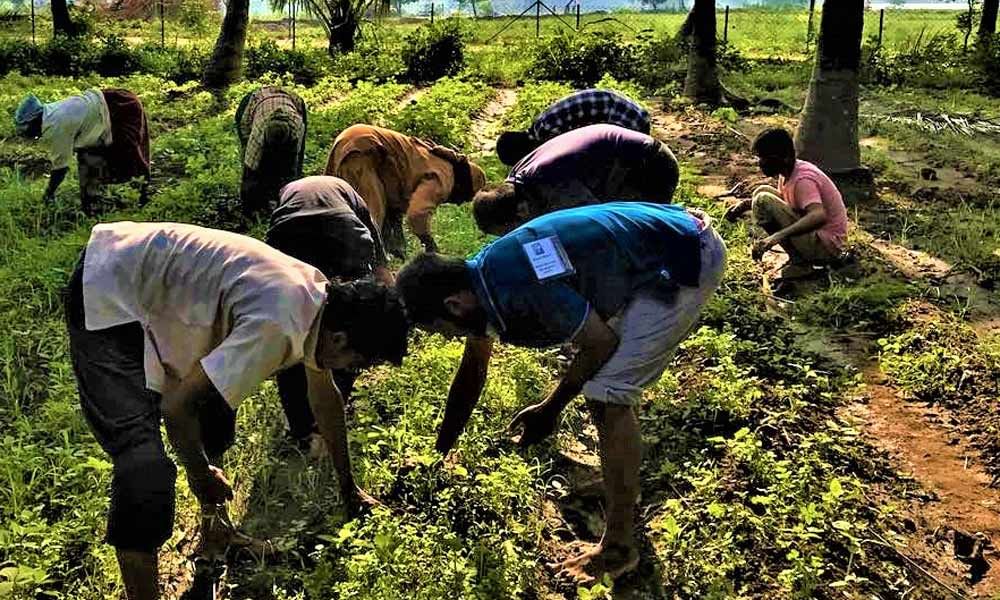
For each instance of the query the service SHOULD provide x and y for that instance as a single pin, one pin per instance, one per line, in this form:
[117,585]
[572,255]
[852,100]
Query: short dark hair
[495,206]
[371,315]
[775,141]
[512,146]
[426,281]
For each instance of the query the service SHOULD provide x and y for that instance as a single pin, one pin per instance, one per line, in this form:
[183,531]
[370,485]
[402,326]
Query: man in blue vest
[624,282]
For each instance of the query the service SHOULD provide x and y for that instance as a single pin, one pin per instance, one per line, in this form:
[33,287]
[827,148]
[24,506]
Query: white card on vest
[547,258]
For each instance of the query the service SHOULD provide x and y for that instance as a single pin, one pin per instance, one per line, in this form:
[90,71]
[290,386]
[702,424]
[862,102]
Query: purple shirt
[583,166]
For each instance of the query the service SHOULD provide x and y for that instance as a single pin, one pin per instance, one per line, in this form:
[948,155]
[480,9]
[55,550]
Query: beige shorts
[650,329]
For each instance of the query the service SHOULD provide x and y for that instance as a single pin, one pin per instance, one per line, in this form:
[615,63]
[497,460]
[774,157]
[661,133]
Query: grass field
[765,474]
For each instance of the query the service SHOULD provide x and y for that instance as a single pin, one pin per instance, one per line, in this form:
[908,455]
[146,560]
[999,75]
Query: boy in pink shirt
[805,214]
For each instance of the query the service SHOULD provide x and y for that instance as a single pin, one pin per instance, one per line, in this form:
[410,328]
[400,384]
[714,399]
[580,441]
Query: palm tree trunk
[828,130]
[343,33]
[227,58]
[988,22]
[702,82]
[61,23]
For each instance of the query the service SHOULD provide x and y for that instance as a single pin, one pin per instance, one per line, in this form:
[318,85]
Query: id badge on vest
[548,258]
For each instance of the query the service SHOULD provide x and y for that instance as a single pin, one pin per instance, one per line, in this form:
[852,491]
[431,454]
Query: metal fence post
[538,18]
[881,26]
[725,30]
[432,13]
[578,16]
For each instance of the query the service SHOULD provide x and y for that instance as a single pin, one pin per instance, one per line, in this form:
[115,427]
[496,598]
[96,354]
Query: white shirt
[74,123]
[240,307]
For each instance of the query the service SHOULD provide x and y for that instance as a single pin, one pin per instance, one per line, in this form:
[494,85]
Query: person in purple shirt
[579,109]
[590,165]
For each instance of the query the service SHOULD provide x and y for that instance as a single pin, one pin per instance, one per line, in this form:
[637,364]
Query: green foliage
[581,59]
[872,304]
[933,61]
[532,99]
[374,59]
[434,51]
[444,112]
[303,67]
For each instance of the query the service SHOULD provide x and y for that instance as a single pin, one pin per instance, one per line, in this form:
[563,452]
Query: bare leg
[621,453]
[139,574]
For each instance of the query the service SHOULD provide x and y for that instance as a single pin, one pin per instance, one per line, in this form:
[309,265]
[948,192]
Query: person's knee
[763,205]
[142,498]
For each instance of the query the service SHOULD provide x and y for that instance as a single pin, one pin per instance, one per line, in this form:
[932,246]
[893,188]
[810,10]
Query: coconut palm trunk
[227,59]
[988,22]
[828,130]
[702,83]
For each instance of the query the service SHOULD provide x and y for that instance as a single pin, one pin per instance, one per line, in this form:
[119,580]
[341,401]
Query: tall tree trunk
[343,33]
[227,58]
[988,22]
[702,83]
[61,23]
[828,129]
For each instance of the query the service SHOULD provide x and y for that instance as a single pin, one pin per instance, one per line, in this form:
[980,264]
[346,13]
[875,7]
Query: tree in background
[61,23]
[828,130]
[226,63]
[341,19]
[702,83]
[988,22]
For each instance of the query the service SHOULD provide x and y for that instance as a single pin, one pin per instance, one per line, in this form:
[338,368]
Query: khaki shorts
[650,329]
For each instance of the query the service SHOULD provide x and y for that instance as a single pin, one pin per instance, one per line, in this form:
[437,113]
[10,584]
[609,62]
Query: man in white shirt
[184,322]
[107,130]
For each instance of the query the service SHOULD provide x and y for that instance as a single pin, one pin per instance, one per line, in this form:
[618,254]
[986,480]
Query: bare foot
[597,560]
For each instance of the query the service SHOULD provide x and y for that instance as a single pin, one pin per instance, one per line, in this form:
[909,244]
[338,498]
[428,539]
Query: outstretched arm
[327,404]
[465,391]
[597,342]
[423,202]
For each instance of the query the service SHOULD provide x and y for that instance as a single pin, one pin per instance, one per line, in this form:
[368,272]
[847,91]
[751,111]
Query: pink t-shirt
[808,185]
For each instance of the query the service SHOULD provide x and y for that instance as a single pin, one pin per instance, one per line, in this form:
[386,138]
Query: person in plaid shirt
[271,125]
[579,109]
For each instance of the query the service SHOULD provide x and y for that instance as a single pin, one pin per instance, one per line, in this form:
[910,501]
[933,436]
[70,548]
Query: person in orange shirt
[398,175]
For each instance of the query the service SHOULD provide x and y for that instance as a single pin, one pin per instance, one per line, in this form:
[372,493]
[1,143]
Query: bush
[67,55]
[581,59]
[18,55]
[936,61]
[435,51]
[305,67]
[375,60]
[116,58]
[989,59]
[661,60]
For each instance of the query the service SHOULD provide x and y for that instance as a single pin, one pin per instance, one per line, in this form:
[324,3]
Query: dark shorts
[125,418]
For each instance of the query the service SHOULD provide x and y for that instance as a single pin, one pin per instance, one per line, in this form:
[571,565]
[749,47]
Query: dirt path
[484,127]
[956,512]
[960,506]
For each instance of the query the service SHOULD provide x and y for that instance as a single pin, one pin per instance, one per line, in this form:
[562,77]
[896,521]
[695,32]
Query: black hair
[495,207]
[426,281]
[512,146]
[371,315]
[775,141]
